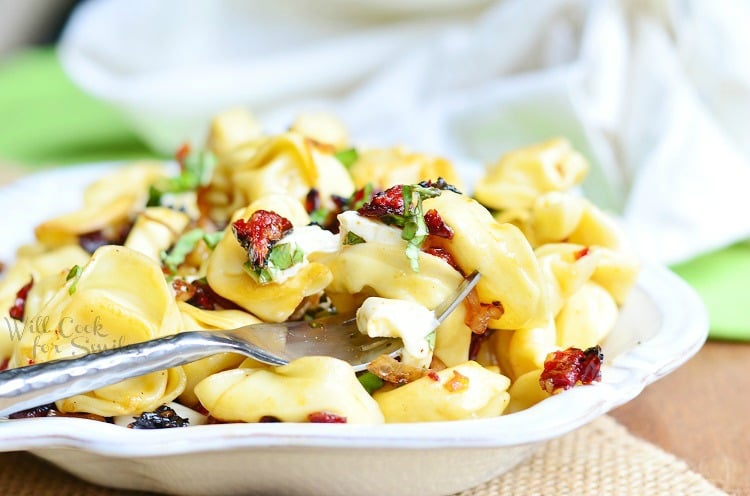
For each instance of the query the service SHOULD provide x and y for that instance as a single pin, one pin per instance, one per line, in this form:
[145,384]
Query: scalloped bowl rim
[682,330]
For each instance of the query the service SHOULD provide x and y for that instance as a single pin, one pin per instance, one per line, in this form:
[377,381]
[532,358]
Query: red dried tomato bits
[312,201]
[443,254]
[258,234]
[436,225]
[326,418]
[388,202]
[19,305]
[564,369]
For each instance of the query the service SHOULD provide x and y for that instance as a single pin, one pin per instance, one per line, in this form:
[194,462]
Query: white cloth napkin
[655,93]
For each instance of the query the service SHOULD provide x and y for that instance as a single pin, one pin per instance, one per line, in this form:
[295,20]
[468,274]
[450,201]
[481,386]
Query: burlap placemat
[599,459]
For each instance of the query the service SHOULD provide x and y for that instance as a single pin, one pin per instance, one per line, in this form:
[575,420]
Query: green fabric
[722,278]
[46,120]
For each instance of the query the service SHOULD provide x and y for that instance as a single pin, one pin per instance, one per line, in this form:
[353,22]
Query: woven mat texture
[600,459]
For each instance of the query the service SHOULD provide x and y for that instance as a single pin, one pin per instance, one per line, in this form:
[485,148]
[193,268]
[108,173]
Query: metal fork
[275,344]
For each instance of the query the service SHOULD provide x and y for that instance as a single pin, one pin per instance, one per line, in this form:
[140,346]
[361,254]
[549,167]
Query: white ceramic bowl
[662,325]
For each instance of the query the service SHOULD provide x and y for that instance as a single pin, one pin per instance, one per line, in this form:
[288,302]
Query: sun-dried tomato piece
[258,234]
[457,383]
[269,419]
[326,418]
[91,241]
[181,154]
[581,253]
[591,366]
[388,202]
[567,368]
[478,315]
[391,370]
[443,254]
[207,299]
[433,375]
[441,184]
[436,225]
[19,304]
[312,201]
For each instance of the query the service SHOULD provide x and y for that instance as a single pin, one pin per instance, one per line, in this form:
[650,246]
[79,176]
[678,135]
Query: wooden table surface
[701,414]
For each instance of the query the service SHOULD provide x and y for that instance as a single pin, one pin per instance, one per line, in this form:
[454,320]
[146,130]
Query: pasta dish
[300,225]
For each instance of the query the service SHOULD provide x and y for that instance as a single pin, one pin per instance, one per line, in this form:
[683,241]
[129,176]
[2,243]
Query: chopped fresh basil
[197,171]
[319,216]
[200,166]
[186,244]
[181,249]
[154,196]
[212,239]
[75,274]
[261,275]
[347,157]
[359,198]
[412,220]
[285,255]
[353,239]
[370,382]
[281,257]
[431,339]
[425,192]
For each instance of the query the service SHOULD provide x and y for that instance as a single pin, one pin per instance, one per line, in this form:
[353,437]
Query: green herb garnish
[412,221]
[431,339]
[197,171]
[360,197]
[75,274]
[281,257]
[353,239]
[319,216]
[186,244]
[347,157]
[212,239]
[370,382]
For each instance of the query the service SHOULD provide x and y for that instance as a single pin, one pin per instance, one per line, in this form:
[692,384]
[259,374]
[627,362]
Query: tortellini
[386,167]
[383,269]
[288,164]
[155,230]
[271,302]
[107,203]
[322,128]
[290,393]
[286,227]
[119,298]
[520,176]
[462,392]
[510,272]
[194,319]
[46,270]
[581,311]
[231,130]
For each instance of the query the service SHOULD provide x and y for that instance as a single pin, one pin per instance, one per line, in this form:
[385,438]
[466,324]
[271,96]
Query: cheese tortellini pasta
[302,225]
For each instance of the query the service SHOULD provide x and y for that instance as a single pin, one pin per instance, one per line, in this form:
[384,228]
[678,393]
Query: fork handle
[40,384]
